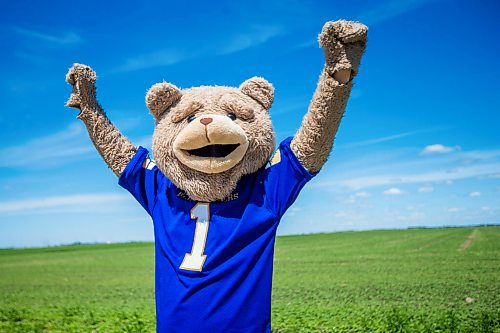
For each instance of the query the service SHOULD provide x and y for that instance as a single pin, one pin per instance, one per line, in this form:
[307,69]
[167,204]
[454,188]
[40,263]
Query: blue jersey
[214,260]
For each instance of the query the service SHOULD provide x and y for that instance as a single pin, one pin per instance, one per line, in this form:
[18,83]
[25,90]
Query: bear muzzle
[213,150]
[211,146]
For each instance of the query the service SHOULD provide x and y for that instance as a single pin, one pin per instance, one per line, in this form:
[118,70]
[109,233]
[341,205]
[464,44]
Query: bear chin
[209,187]
[212,148]
[200,186]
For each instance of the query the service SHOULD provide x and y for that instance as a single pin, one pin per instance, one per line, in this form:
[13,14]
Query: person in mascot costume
[217,188]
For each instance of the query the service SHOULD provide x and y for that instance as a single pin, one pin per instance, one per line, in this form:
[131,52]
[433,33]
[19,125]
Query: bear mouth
[213,150]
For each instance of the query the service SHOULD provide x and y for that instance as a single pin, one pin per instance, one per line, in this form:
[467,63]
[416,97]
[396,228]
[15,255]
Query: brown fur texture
[115,149]
[344,43]
[213,115]
[206,130]
[160,97]
[247,103]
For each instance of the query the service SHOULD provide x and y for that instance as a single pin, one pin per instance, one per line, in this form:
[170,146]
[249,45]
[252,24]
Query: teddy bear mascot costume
[214,190]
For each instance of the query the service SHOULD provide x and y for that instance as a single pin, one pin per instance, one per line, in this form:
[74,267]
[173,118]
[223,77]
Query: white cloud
[353,198]
[474,194]
[393,191]
[426,189]
[383,139]
[382,11]
[65,146]
[340,214]
[388,10]
[438,149]
[65,38]
[453,210]
[60,201]
[307,43]
[293,211]
[350,200]
[48,150]
[398,177]
[414,216]
[155,59]
[255,36]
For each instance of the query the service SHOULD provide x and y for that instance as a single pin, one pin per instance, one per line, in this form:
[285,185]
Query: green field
[376,281]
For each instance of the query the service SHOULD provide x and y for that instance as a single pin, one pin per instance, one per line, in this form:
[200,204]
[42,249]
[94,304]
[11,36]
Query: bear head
[206,138]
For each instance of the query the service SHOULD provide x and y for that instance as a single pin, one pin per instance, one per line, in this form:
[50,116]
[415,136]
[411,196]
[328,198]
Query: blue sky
[419,144]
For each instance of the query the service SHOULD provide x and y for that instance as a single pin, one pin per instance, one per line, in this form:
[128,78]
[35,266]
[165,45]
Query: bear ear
[260,90]
[161,97]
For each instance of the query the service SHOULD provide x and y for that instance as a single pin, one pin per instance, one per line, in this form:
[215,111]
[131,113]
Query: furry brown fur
[197,118]
[343,43]
[247,103]
[115,149]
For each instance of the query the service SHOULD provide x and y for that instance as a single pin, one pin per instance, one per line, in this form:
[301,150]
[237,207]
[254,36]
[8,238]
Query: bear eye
[191,118]
[231,116]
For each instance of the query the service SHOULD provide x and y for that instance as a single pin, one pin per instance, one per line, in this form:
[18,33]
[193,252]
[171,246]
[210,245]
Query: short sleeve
[142,178]
[284,177]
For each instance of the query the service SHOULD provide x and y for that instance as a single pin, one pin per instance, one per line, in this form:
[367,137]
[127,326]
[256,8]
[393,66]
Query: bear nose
[206,121]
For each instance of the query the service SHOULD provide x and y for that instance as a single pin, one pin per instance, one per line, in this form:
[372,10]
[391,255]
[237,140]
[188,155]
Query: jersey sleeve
[142,178]
[284,177]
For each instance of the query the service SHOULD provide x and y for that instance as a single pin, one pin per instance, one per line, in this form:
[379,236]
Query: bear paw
[342,31]
[344,43]
[82,78]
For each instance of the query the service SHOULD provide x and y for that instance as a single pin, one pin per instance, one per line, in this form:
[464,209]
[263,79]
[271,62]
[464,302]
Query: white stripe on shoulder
[275,159]
[148,164]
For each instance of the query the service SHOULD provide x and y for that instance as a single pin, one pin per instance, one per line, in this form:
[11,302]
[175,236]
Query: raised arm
[115,149]
[343,43]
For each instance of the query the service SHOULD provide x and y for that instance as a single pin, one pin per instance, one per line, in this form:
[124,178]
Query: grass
[375,281]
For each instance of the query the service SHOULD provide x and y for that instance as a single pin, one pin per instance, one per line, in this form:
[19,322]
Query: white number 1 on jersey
[194,261]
